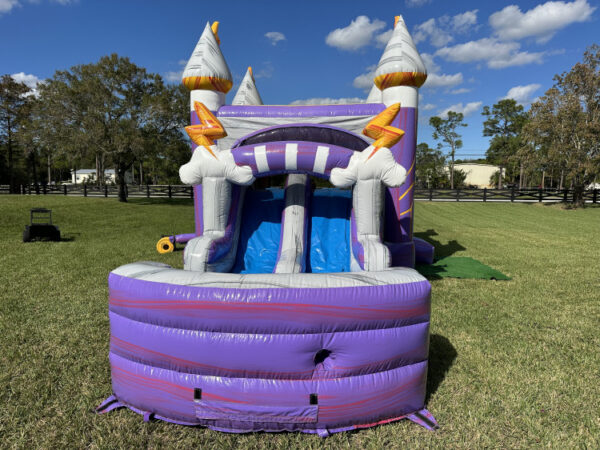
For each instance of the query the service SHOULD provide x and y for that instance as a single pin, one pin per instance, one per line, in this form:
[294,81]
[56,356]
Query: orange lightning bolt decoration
[208,130]
[379,129]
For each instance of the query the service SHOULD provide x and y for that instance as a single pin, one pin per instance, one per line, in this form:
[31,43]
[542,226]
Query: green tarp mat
[459,267]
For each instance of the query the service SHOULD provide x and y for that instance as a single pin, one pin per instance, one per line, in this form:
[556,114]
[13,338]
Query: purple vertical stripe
[399,225]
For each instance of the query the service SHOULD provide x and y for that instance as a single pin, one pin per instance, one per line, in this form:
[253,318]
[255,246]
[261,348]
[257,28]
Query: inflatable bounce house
[298,309]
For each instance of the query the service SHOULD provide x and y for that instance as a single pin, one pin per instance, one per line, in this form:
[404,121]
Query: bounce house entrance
[327,231]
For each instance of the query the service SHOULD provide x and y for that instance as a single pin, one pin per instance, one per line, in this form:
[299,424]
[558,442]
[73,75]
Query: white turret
[374,95]
[400,72]
[247,94]
[206,74]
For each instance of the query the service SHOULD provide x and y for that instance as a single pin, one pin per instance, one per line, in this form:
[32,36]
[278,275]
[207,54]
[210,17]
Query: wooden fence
[181,191]
[505,195]
[107,190]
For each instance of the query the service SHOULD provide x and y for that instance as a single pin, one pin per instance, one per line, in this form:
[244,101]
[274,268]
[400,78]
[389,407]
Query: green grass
[512,363]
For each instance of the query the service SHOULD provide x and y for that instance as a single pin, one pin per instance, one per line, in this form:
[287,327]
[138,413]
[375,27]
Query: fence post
[192,192]
[85,189]
[65,189]
[540,196]
[44,189]
[512,194]
[457,195]
[106,190]
[595,196]
[147,191]
[29,189]
[485,194]
[565,195]
[170,192]
[126,191]
[430,194]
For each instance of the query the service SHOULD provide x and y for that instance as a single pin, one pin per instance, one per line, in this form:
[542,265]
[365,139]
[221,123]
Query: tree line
[555,144]
[115,114]
[110,114]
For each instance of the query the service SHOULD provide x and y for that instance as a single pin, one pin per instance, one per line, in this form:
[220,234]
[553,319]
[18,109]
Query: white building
[478,175]
[89,176]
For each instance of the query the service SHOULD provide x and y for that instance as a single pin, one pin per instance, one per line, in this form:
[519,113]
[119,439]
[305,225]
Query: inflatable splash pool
[297,308]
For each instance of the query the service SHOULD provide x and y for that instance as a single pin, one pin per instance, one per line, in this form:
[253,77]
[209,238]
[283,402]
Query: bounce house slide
[297,309]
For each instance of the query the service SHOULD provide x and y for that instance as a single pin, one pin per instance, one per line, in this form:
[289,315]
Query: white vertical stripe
[321,159]
[260,154]
[291,156]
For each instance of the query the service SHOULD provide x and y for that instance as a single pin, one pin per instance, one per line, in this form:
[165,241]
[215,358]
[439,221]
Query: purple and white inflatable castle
[297,309]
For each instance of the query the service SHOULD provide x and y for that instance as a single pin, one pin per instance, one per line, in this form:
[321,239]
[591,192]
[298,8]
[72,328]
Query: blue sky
[309,51]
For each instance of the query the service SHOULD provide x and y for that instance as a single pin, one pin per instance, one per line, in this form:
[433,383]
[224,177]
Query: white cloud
[429,62]
[7,5]
[440,31]
[429,30]
[275,37]
[466,110]
[435,80]
[173,76]
[265,71]
[523,94]
[427,107]
[542,22]
[328,101]
[415,3]
[356,35]
[516,59]
[460,91]
[31,81]
[497,54]
[365,81]
[462,22]
[382,39]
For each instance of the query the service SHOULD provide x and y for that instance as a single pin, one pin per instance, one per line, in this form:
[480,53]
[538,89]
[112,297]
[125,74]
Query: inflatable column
[368,171]
[208,78]
[399,75]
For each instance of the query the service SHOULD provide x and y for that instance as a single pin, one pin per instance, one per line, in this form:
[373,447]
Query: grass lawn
[512,363]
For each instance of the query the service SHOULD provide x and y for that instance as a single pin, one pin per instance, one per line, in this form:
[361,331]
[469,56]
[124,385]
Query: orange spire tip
[215,29]
[396,20]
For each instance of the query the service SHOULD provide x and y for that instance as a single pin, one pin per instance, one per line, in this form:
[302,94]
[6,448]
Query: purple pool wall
[241,359]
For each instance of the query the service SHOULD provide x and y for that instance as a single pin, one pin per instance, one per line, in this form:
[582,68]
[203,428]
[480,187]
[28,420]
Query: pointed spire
[207,68]
[401,64]
[247,93]
[374,95]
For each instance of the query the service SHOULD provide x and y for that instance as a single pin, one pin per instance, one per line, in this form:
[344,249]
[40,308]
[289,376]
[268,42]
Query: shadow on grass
[441,357]
[161,201]
[430,272]
[441,250]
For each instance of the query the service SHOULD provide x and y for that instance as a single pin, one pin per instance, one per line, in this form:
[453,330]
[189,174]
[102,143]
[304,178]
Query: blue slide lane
[330,231]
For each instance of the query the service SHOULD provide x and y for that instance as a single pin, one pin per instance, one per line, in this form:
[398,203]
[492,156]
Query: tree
[445,131]
[112,109]
[429,166]
[564,125]
[13,109]
[504,123]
